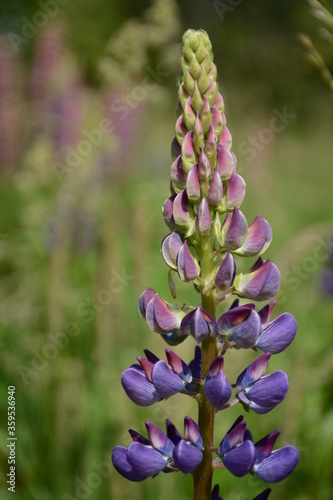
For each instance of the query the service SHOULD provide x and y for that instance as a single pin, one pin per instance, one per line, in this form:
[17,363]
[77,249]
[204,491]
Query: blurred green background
[87,113]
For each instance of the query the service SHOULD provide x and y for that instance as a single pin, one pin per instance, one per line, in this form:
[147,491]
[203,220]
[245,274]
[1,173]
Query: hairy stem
[203,475]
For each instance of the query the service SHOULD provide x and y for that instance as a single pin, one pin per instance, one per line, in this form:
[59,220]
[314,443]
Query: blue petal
[138,388]
[278,335]
[159,440]
[145,460]
[192,433]
[239,461]
[121,464]
[253,372]
[165,381]
[186,456]
[246,334]
[215,493]
[172,432]
[234,436]
[178,366]
[218,391]
[278,465]
[264,447]
[270,390]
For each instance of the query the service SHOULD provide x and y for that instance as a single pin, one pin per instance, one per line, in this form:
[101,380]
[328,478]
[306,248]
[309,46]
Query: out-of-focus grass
[72,413]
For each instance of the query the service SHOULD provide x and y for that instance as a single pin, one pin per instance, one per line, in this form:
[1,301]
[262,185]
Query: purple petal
[246,334]
[159,440]
[203,221]
[235,191]
[159,317]
[264,495]
[187,457]
[170,248]
[232,318]
[144,300]
[226,162]
[239,461]
[270,390]
[199,324]
[178,366]
[175,148]
[237,230]
[195,364]
[145,460]
[121,464]
[265,446]
[192,433]
[136,436]
[278,335]
[150,356]
[147,366]
[182,211]
[278,465]
[262,283]
[204,168]
[217,388]
[226,274]
[165,381]
[234,437]
[225,138]
[178,174]
[253,372]
[215,192]
[172,432]
[219,104]
[217,121]
[188,154]
[168,213]
[181,129]
[187,268]
[193,185]
[265,314]
[138,388]
[258,238]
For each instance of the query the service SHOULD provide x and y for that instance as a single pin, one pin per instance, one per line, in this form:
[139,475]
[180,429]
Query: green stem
[203,475]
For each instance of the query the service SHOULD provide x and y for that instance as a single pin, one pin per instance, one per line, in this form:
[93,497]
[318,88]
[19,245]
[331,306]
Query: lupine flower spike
[208,233]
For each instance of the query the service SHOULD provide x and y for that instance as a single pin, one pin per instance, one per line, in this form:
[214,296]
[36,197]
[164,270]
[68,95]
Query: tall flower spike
[209,234]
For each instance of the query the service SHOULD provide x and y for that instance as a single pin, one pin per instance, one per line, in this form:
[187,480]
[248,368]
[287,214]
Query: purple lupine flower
[188,451]
[208,230]
[262,282]
[160,452]
[258,391]
[199,324]
[217,388]
[258,239]
[241,324]
[154,379]
[274,466]
[237,450]
[144,458]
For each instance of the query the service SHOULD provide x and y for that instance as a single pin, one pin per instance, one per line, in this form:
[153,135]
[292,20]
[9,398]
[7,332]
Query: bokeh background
[87,113]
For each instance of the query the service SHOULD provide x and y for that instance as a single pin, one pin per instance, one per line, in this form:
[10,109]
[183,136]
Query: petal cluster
[259,391]
[153,379]
[160,452]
